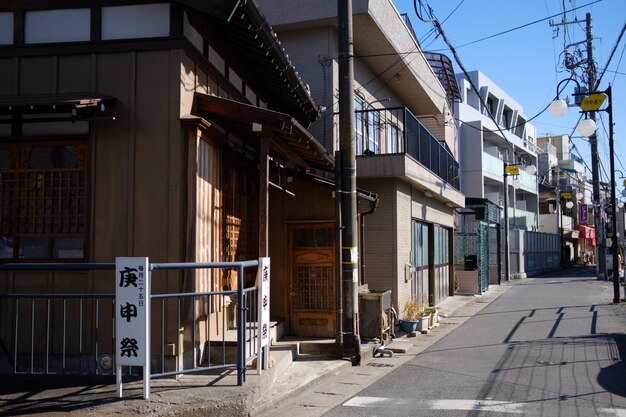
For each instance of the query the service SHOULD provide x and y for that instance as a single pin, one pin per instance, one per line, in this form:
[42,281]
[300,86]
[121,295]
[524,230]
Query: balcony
[397,131]
[519,218]
[494,166]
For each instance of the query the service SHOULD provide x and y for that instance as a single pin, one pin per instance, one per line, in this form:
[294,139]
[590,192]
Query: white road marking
[465,405]
[612,412]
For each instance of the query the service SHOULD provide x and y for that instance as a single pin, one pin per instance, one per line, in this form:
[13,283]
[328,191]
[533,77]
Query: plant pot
[422,323]
[408,325]
[433,314]
[418,325]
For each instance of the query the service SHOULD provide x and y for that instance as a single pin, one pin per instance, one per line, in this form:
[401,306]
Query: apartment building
[494,132]
[565,198]
[406,140]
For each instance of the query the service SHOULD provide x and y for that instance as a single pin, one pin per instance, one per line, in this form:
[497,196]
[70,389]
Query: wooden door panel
[313,279]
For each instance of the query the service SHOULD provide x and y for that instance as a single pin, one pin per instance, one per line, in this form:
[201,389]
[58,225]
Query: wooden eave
[249,36]
[288,137]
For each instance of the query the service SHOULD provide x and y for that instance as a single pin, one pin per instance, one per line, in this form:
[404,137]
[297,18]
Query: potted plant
[414,317]
[433,313]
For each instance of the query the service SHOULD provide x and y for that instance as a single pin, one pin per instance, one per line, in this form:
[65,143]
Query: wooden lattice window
[43,199]
[240,219]
[313,286]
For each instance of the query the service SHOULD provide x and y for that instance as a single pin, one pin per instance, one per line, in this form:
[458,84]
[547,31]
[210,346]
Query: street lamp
[512,170]
[587,127]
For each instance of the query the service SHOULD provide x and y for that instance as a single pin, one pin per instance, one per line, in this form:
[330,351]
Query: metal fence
[74,334]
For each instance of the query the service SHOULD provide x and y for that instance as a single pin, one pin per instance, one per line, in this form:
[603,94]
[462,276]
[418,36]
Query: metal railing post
[241,328]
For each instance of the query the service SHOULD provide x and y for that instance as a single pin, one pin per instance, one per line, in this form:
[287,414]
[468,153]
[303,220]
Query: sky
[527,61]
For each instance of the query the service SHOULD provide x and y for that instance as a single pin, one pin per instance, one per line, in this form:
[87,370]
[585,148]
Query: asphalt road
[549,346]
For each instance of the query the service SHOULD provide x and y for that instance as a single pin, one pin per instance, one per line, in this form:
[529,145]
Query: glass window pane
[6,247]
[53,157]
[5,163]
[33,247]
[68,247]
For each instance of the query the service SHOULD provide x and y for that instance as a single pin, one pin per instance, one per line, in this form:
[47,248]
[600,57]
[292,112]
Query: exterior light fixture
[586,127]
[558,107]
[592,102]
[569,204]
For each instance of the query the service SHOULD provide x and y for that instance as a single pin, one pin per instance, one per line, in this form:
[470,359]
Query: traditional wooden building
[163,129]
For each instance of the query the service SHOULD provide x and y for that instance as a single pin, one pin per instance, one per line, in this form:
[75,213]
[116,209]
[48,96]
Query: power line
[522,26]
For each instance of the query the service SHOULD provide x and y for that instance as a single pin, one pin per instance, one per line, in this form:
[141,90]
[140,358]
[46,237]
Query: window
[359,125]
[136,21]
[49,26]
[43,201]
[6,28]
[394,138]
[419,244]
[505,121]
[442,255]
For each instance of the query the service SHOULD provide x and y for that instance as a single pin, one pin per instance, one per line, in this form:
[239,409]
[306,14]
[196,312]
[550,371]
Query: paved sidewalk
[218,394]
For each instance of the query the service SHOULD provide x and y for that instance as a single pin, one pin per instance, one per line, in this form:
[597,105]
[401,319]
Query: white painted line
[464,405]
[612,412]
[478,405]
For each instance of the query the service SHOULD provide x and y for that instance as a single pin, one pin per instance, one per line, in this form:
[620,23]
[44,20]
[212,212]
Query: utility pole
[347,192]
[595,172]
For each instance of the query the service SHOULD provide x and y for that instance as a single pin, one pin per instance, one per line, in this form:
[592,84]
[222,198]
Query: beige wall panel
[113,153]
[37,75]
[187,84]
[202,82]
[151,162]
[380,237]
[74,73]
[8,76]
[279,254]
[431,210]
[313,52]
[403,238]
[311,202]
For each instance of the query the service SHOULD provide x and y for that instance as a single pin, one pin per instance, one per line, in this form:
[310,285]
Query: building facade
[493,132]
[565,205]
[406,140]
[169,130]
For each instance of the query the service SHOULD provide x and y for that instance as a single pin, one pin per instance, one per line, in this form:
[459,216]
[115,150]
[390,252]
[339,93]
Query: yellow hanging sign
[512,169]
[593,102]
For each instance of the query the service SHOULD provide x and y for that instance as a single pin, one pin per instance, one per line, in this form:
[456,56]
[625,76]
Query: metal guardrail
[74,334]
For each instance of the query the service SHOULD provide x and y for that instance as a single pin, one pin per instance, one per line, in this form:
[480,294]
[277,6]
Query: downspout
[338,244]
[373,205]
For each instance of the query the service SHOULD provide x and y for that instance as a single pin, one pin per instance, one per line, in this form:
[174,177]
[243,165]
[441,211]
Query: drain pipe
[373,200]
[338,245]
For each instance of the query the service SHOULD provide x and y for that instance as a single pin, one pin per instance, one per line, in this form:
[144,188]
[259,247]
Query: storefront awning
[287,137]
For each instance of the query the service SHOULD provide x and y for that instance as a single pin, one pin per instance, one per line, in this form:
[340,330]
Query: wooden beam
[264,167]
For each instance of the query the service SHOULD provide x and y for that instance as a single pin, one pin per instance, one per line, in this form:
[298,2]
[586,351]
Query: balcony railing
[522,218]
[494,166]
[397,131]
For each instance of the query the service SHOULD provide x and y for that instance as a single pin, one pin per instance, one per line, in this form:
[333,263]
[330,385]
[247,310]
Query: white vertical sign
[263,280]
[132,314]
